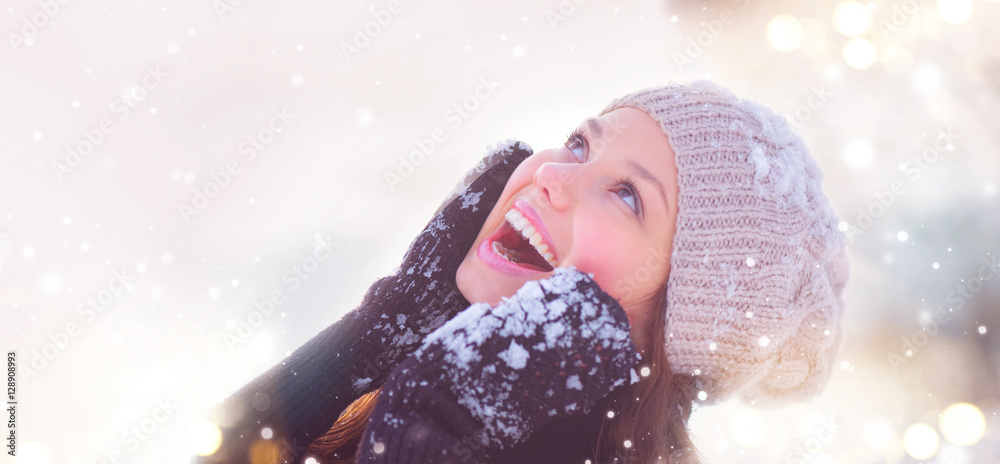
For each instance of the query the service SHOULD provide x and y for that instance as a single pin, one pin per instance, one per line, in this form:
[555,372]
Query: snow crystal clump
[406,339]
[535,316]
[791,166]
[361,384]
[463,334]
[515,356]
[760,163]
[432,267]
[553,331]
[504,146]
[471,199]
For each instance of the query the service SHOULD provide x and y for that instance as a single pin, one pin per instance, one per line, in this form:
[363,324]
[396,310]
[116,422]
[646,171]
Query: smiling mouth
[518,242]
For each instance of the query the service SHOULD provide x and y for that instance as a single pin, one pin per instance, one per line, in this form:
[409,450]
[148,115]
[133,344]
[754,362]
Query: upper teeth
[528,231]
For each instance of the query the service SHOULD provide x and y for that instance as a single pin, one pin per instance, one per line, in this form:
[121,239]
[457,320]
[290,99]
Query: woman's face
[605,202]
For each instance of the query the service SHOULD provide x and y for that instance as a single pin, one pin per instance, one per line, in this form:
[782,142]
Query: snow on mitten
[490,377]
[300,398]
[422,295]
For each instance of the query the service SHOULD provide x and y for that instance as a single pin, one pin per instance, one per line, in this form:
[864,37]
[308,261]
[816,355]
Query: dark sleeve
[298,398]
[301,397]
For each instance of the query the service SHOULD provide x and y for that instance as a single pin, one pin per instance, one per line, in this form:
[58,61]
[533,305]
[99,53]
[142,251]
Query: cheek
[605,254]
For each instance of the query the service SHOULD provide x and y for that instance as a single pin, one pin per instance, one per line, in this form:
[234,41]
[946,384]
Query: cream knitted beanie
[758,264]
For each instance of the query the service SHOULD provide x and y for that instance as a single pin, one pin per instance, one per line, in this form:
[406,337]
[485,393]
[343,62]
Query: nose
[555,183]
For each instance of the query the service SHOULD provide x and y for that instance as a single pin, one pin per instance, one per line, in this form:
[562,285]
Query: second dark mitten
[492,376]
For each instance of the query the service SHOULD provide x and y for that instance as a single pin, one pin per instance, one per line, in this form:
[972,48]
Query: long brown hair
[651,414]
[655,434]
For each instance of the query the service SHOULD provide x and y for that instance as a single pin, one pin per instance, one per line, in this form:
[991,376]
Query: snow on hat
[758,264]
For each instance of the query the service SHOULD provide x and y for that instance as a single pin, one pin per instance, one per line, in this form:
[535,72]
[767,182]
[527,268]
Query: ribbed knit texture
[492,376]
[300,398]
[758,264]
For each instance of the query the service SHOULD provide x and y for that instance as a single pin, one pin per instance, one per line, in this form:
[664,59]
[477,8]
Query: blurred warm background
[169,165]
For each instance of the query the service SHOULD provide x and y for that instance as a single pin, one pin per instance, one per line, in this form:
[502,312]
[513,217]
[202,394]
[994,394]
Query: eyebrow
[645,174]
[594,126]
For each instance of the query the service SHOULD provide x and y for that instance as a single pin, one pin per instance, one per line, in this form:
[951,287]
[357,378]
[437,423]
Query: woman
[572,304]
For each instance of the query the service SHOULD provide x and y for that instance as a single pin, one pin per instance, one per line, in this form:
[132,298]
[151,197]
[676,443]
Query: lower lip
[499,263]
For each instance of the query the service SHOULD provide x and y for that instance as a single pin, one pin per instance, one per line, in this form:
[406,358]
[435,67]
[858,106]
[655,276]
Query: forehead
[631,132]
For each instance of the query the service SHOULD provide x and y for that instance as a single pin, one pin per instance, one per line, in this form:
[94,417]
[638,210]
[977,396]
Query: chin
[481,284]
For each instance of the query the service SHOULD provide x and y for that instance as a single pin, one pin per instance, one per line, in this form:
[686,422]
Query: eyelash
[576,136]
[625,181]
[629,185]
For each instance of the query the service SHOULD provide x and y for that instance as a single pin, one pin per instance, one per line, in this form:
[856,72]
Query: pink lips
[529,213]
[497,263]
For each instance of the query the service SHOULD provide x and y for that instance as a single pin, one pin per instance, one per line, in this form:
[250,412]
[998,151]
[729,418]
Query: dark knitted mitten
[491,376]
[300,398]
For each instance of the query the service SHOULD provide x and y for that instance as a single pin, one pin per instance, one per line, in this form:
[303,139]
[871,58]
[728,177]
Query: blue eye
[629,194]
[577,144]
